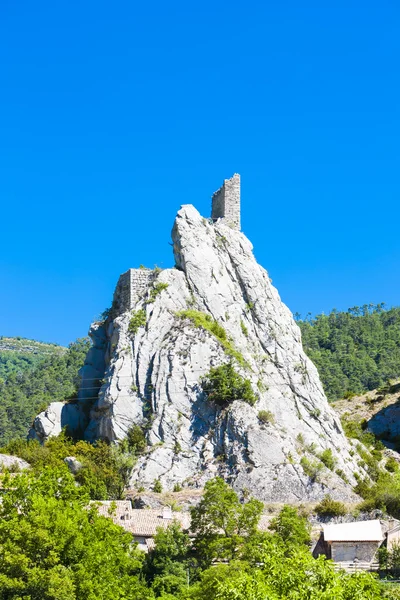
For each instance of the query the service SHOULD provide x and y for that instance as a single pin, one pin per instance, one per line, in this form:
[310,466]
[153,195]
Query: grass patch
[204,321]
[155,291]
[266,416]
[328,459]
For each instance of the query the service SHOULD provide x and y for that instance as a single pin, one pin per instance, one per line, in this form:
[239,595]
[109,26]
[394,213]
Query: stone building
[352,546]
[143,523]
[133,283]
[226,202]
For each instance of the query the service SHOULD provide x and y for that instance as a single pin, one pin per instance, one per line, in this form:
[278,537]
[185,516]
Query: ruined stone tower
[131,285]
[226,202]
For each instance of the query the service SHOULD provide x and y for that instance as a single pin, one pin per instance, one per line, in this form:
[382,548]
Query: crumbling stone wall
[130,287]
[226,202]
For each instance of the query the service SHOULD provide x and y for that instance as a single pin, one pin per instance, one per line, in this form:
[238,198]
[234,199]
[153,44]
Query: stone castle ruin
[226,202]
[130,287]
[133,283]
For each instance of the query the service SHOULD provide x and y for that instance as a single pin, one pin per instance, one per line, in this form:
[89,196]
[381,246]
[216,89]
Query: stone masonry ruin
[226,202]
[131,285]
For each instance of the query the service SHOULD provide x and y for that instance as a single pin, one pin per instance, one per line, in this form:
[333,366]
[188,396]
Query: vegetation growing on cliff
[354,351]
[205,321]
[138,319]
[223,385]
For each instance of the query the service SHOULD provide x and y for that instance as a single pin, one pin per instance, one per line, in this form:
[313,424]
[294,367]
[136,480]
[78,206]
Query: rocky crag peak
[165,331]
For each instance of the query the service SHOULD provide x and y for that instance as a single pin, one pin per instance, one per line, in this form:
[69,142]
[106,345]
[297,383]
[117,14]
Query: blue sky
[112,115]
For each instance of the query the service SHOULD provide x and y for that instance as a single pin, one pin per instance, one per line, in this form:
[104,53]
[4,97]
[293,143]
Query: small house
[142,523]
[352,546]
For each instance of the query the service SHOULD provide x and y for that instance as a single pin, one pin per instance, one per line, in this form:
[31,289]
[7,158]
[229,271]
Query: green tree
[168,565]
[106,468]
[52,546]
[291,527]
[221,523]
[26,392]
[354,351]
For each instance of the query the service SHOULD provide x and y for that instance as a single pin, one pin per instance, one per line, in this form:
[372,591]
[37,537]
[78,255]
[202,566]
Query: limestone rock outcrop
[52,421]
[15,463]
[147,363]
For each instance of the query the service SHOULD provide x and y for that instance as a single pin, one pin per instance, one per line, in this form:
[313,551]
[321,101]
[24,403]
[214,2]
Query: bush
[392,465]
[328,459]
[136,439]
[266,416]
[177,447]
[105,471]
[223,385]
[157,486]
[330,508]
[311,468]
[138,319]
[155,291]
[342,475]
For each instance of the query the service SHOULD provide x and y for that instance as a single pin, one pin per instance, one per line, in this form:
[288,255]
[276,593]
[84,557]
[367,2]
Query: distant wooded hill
[33,374]
[20,354]
[354,351]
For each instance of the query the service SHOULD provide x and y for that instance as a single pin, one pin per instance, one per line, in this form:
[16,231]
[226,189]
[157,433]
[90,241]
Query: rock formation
[148,359]
[12,463]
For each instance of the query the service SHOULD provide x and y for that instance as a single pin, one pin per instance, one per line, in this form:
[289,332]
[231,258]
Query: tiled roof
[359,531]
[122,509]
[143,522]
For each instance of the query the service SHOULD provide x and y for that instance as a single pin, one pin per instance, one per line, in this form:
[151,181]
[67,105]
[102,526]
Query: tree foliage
[105,470]
[354,351]
[54,547]
[292,528]
[26,391]
[221,523]
[167,567]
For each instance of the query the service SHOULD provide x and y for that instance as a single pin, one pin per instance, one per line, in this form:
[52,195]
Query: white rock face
[51,421]
[12,462]
[153,378]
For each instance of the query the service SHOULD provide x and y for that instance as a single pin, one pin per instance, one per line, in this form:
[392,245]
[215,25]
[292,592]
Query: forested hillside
[354,351]
[29,381]
[20,354]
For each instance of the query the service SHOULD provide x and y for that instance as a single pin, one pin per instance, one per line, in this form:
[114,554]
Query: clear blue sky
[113,114]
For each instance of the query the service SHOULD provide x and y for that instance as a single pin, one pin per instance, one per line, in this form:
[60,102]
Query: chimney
[167,512]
